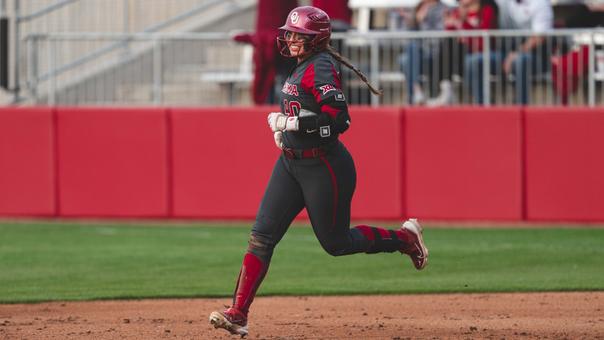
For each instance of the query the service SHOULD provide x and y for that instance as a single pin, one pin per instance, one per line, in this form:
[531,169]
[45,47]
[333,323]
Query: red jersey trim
[308,82]
[330,110]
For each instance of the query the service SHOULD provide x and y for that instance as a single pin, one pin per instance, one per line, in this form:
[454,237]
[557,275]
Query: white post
[52,81]
[364,17]
[157,72]
[591,82]
[374,69]
[126,21]
[32,68]
[486,69]
[16,52]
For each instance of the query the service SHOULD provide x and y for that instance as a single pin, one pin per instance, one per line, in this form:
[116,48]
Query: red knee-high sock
[383,240]
[251,275]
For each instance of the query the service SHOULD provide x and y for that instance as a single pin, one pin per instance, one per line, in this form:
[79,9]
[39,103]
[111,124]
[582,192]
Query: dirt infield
[465,316]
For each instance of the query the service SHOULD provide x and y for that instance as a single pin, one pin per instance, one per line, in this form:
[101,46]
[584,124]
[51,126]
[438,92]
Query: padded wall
[222,160]
[27,162]
[458,163]
[565,164]
[374,141]
[464,163]
[113,162]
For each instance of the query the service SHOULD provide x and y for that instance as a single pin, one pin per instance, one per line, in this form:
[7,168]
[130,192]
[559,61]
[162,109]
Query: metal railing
[32,17]
[173,69]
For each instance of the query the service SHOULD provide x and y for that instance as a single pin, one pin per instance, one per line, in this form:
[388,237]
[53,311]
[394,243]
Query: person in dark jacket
[269,66]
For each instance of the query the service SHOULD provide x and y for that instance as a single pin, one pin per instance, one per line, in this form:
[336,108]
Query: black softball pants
[325,186]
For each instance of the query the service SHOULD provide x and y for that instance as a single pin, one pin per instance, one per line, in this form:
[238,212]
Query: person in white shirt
[422,55]
[526,55]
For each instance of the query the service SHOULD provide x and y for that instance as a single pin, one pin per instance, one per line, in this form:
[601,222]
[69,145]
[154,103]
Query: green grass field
[43,262]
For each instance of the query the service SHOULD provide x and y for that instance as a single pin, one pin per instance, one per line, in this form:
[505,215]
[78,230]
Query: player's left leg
[328,188]
[281,203]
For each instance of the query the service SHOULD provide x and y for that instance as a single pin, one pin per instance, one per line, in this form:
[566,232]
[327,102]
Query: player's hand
[277,121]
[280,122]
[278,136]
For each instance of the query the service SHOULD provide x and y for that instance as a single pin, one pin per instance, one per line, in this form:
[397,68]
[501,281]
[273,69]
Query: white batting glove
[278,136]
[291,124]
[277,121]
[280,122]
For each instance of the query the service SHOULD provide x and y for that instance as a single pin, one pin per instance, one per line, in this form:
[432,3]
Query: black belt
[308,153]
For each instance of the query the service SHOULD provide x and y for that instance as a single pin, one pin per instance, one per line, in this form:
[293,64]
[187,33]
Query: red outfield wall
[464,163]
[27,162]
[221,168]
[112,162]
[565,164]
[459,163]
[222,160]
[374,141]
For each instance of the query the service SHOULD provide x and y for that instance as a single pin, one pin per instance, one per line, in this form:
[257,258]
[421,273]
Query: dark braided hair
[348,64]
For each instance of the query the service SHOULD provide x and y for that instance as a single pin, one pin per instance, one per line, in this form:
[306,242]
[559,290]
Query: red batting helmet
[310,21]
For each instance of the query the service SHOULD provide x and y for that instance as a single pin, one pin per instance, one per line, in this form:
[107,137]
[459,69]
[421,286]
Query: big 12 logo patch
[327,88]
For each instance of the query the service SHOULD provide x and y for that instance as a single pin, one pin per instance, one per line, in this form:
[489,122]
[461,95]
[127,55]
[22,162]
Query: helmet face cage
[310,22]
[284,40]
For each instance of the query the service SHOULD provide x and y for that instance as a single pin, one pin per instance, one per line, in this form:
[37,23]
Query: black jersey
[314,85]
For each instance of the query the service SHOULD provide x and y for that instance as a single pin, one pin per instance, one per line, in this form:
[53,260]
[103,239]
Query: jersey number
[291,108]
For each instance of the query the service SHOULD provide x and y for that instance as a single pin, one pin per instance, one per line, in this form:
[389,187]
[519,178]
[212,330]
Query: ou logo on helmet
[294,18]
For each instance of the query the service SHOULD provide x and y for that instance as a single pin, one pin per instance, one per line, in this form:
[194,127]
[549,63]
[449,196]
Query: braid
[348,64]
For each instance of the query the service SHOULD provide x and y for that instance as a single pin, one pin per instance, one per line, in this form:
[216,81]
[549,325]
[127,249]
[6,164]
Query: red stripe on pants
[334,184]
[366,231]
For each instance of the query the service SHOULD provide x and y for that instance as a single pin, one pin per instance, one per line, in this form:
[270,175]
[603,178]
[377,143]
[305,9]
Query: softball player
[314,170]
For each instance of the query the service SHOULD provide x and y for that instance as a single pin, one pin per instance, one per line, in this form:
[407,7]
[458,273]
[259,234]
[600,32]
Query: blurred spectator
[567,70]
[339,14]
[570,66]
[578,15]
[338,11]
[596,15]
[524,55]
[428,15]
[471,15]
[531,54]
[270,68]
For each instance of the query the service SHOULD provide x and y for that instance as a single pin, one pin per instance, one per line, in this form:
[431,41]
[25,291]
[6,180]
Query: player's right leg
[329,184]
[408,240]
[281,203]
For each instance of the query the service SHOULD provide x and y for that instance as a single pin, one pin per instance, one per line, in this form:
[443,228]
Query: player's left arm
[334,113]
[327,92]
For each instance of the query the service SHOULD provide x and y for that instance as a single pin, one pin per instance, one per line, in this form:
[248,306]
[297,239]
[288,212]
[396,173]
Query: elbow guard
[312,123]
[334,113]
